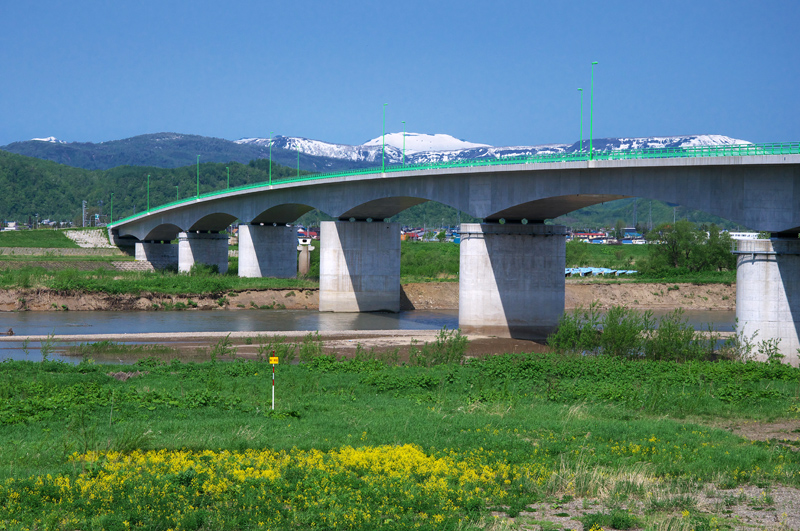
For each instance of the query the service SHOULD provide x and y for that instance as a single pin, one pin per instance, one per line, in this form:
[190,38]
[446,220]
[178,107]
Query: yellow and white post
[273,360]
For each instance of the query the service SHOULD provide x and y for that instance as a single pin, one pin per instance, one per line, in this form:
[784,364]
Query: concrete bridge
[511,265]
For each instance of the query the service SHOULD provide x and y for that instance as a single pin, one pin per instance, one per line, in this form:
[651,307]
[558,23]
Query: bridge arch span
[380,209]
[280,214]
[165,232]
[216,222]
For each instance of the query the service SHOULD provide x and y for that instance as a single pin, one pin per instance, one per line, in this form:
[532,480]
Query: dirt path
[417,296]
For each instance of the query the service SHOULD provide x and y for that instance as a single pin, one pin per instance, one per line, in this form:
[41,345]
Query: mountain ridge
[173,150]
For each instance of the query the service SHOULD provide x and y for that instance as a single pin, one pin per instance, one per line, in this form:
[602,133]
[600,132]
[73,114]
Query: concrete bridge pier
[768,292]
[210,248]
[359,266]
[267,251]
[162,255]
[511,280]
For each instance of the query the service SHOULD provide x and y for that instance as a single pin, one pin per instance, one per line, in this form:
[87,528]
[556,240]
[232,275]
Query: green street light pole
[270,157]
[298,160]
[198,176]
[148,193]
[581,91]
[591,114]
[177,194]
[404,142]
[111,214]
[383,146]
[229,176]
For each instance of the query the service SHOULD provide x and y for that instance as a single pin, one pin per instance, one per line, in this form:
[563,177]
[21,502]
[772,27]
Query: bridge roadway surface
[511,280]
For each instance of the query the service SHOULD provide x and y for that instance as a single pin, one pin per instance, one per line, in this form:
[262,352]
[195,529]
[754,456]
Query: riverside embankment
[414,296]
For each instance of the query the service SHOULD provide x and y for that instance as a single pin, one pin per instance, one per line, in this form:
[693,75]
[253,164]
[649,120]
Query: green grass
[121,282]
[540,426]
[42,238]
[425,261]
[581,254]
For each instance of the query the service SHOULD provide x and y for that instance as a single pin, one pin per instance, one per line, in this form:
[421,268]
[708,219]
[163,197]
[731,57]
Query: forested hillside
[30,186]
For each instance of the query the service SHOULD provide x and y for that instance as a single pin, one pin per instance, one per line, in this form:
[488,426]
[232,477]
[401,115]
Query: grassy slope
[43,238]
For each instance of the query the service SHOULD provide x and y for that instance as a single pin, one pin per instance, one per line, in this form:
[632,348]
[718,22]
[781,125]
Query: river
[115,322]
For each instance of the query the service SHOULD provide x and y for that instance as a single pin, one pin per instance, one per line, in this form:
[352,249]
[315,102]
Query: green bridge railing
[734,150]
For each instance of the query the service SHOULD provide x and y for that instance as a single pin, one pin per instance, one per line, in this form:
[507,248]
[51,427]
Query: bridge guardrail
[732,150]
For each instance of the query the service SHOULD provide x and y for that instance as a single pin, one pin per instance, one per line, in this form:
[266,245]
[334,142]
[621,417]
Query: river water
[82,323]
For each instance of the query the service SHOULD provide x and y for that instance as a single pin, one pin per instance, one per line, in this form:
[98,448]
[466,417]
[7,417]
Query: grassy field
[43,238]
[560,442]
[118,282]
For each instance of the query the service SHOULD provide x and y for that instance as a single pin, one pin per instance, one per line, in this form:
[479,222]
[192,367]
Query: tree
[683,246]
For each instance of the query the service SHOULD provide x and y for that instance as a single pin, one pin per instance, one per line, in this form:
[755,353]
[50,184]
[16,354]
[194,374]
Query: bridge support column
[511,279]
[202,248]
[768,292]
[359,267]
[160,255]
[267,251]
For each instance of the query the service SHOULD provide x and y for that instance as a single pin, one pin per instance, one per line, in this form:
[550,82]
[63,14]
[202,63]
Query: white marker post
[273,361]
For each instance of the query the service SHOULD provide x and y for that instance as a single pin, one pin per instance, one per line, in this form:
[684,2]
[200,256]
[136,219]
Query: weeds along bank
[40,290]
[440,442]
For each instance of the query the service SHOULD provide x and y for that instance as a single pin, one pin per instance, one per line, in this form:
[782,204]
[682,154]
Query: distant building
[743,235]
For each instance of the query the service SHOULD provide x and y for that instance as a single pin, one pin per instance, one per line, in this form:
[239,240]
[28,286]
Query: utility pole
[83,213]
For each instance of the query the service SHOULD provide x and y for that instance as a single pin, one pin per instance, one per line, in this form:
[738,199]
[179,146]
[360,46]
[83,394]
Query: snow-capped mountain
[416,142]
[426,149]
[172,150]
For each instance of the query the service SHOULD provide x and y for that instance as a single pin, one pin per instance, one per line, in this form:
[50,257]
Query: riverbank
[414,296]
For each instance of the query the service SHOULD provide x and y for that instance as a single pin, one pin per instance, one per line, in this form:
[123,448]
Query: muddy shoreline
[415,296]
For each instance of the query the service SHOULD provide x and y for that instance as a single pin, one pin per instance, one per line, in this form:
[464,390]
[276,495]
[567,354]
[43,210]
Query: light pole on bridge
[198,176]
[404,142]
[270,157]
[148,193]
[591,114]
[383,138]
[111,208]
[581,141]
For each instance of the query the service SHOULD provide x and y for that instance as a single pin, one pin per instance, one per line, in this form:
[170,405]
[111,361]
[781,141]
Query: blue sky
[500,73]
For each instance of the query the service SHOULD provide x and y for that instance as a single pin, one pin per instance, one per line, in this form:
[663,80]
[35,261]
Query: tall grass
[634,334]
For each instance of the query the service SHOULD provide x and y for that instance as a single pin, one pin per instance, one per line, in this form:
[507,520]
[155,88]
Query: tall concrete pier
[160,255]
[267,251]
[202,248]
[359,267]
[511,280]
[768,292]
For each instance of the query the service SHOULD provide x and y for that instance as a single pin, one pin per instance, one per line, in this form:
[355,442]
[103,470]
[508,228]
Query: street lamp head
[594,62]
[580,89]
